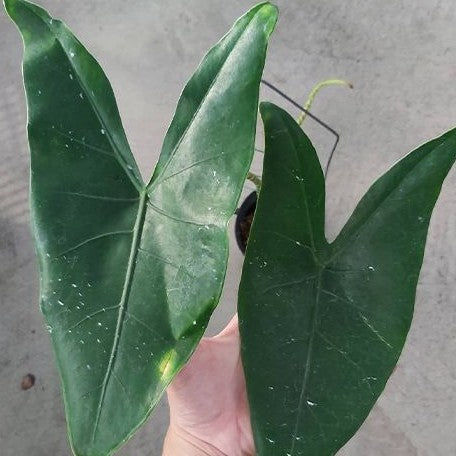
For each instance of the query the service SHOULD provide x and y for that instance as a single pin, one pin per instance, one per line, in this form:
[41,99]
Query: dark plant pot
[244,220]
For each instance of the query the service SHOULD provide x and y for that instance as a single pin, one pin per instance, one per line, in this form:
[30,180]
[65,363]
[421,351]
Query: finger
[189,371]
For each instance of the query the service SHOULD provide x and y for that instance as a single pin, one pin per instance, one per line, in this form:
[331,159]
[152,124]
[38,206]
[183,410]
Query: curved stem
[255,179]
[315,90]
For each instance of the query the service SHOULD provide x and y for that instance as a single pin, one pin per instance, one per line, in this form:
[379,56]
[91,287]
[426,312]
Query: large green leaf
[322,325]
[131,273]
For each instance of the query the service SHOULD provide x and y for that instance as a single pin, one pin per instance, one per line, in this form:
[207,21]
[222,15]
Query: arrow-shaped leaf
[131,273]
[322,325]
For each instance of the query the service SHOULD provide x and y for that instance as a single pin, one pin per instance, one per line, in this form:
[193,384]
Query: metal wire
[312,116]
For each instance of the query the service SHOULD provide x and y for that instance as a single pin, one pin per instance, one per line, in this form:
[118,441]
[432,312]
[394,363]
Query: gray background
[401,57]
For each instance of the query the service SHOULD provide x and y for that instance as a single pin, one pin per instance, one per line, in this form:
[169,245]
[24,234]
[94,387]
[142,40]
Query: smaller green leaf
[322,325]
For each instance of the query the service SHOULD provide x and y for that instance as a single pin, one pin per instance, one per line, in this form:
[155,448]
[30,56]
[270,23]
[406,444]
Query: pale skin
[209,412]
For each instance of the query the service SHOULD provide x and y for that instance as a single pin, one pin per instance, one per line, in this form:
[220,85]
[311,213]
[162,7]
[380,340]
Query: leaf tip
[11,4]
[15,9]
[270,13]
[269,9]
[266,110]
[8,5]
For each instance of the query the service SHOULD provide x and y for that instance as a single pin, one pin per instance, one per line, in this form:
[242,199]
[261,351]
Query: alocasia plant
[130,273]
[322,325]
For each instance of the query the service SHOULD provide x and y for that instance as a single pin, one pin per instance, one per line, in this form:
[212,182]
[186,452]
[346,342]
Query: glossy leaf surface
[131,273]
[322,325]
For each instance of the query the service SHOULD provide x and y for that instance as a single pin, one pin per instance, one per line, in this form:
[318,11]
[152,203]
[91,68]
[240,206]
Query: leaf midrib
[308,360]
[137,234]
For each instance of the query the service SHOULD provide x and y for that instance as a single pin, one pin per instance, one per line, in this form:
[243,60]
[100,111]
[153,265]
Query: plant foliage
[322,325]
[130,273]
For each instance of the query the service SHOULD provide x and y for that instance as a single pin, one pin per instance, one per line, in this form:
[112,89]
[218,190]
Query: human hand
[209,412]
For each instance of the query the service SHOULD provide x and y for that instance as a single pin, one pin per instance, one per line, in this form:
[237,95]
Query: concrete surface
[401,57]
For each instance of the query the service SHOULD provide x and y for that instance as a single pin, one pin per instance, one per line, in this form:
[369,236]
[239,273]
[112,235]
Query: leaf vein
[100,197]
[172,217]
[83,143]
[214,157]
[144,325]
[94,238]
[88,317]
